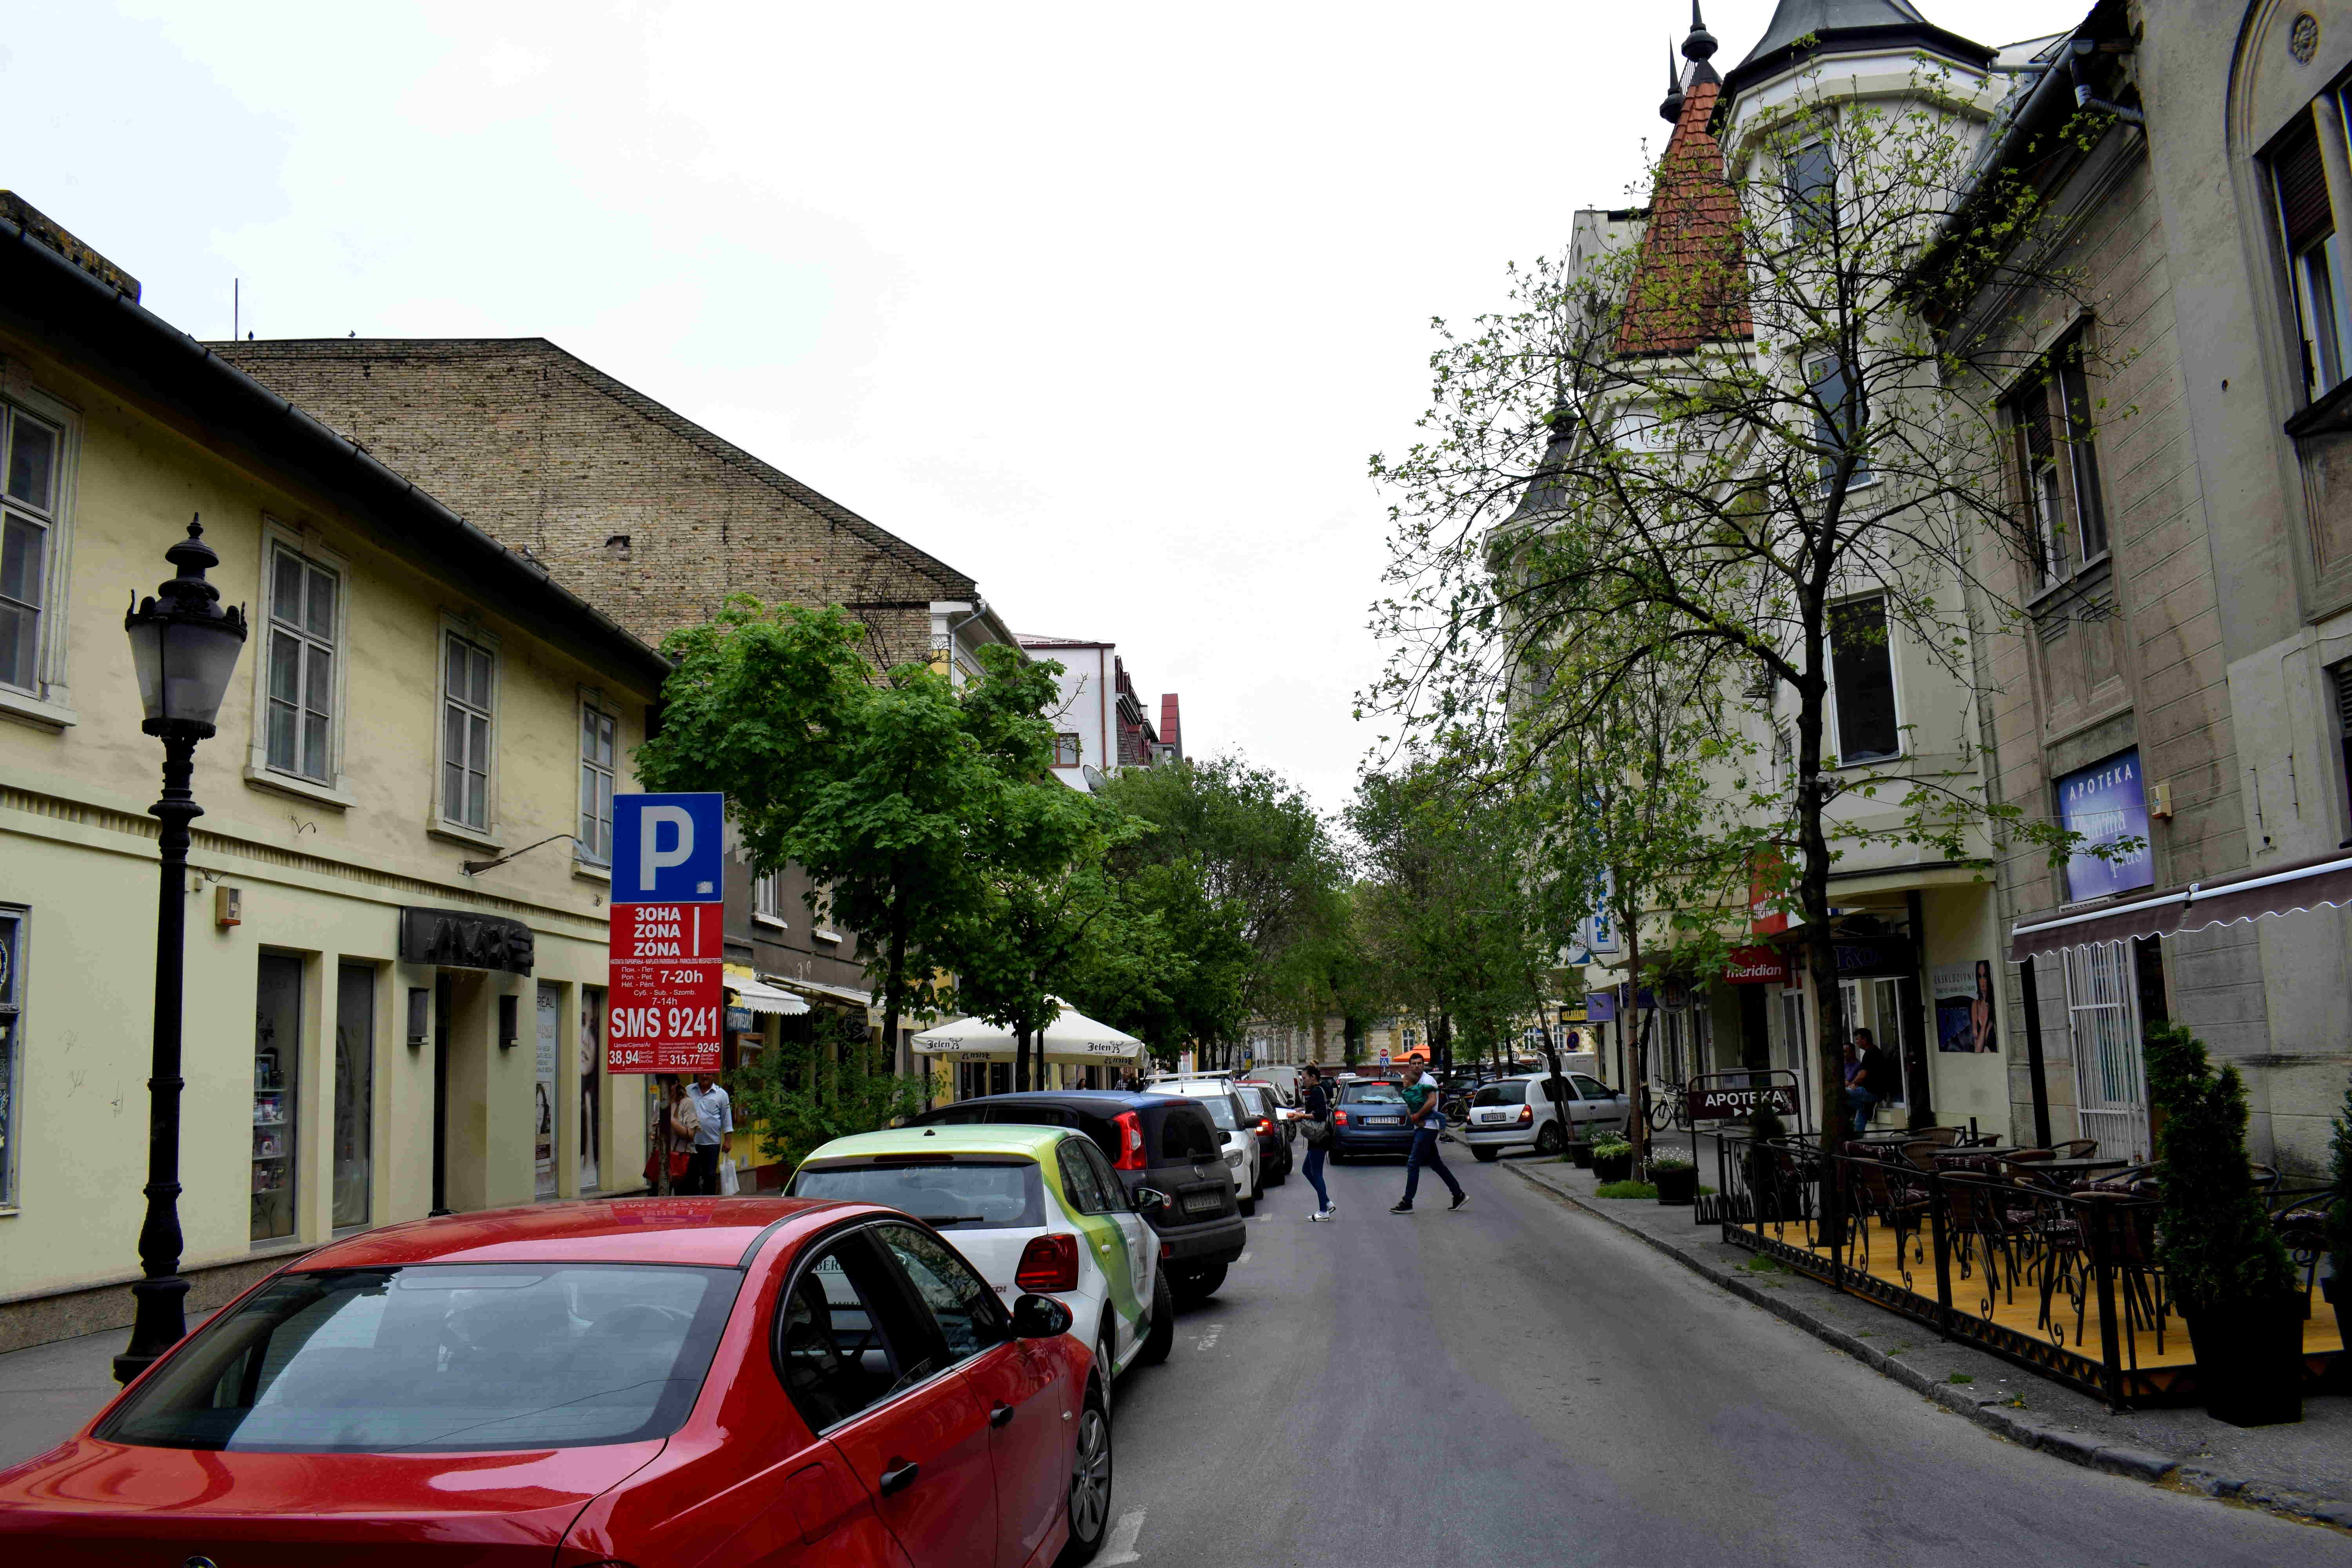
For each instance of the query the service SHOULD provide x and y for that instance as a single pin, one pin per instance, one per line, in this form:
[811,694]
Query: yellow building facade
[373,1027]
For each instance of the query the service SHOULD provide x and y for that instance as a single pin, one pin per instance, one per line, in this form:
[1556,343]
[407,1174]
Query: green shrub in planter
[1612,1157]
[2224,1265]
[1675,1176]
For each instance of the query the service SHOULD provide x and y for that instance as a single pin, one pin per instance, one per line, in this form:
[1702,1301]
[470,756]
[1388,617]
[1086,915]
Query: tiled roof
[1687,284]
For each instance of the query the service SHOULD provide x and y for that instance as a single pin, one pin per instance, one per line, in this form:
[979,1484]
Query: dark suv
[1161,1142]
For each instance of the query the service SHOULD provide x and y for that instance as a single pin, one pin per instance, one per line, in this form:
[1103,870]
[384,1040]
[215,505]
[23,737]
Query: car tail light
[1049,1263]
[1340,1117]
[1130,1142]
[1526,1115]
[1265,1125]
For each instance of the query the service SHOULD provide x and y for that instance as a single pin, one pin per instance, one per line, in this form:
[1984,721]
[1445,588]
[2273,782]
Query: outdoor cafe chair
[1921,1154]
[2126,1224]
[2078,1149]
[1884,1192]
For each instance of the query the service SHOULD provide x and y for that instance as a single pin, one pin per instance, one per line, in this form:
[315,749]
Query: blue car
[1370,1120]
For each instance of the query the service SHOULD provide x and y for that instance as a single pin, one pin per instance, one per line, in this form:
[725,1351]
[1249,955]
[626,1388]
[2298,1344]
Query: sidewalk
[47,1391]
[2302,1470]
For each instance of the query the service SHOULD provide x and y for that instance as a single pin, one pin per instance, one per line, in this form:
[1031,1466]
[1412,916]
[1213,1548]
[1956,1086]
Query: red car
[652,1382]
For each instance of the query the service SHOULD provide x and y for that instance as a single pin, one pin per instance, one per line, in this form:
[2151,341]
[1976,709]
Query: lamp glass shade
[184,667]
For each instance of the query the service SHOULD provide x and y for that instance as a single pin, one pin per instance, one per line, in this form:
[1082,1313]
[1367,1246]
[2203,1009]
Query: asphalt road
[1519,1383]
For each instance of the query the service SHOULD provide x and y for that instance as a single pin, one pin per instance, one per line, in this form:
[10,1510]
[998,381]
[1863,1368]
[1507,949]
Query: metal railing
[2066,1282]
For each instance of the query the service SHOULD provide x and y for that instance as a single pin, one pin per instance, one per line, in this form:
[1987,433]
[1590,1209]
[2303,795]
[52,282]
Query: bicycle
[1670,1105]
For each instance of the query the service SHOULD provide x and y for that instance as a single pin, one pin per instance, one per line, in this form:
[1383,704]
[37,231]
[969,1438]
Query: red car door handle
[898,1475]
[1001,1416]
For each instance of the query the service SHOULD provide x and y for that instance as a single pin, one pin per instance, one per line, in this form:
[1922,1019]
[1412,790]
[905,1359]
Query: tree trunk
[1637,1077]
[1021,1060]
[893,981]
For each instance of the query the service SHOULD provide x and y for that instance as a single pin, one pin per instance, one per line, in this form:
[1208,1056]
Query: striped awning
[760,997]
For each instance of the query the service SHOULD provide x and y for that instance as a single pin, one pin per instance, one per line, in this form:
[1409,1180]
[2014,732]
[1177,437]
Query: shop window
[354,1092]
[29,450]
[592,1086]
[300,710]
[599,764]
[550,1019]
[2316,261]
[1862,668]
[12,1043]
[277,1071]
[468,671]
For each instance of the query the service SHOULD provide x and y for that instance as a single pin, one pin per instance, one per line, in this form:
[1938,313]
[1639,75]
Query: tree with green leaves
[804,1093]
[886,786]
[1240,872]
[1726,442]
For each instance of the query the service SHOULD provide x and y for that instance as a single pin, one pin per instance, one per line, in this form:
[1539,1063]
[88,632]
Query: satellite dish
[1094,777]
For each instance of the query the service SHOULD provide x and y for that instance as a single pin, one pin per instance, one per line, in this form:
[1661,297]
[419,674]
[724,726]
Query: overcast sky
[1103,305]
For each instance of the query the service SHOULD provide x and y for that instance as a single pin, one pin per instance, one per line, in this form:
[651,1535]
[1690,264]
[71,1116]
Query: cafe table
[2081,1168]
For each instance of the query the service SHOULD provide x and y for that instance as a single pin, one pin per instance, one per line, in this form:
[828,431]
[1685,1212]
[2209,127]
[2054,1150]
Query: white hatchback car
[1235,1126]
[1515,1113]
[1034,1209]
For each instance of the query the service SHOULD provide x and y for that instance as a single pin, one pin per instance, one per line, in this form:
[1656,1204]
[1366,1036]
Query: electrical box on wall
[2159,801]
[419,1005]
[510,1022]
[228,906]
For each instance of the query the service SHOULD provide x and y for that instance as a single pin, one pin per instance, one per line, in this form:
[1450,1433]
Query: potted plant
[1580,1153]
[2226,1268]
[1612,1157]
[1676,1175]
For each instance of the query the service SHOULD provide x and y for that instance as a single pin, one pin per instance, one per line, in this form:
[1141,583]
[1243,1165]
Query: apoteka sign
[666,1011]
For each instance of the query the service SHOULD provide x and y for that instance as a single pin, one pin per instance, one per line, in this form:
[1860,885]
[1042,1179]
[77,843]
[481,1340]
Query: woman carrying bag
[1316,1102]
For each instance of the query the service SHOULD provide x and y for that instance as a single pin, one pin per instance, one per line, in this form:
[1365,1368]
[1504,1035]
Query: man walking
[714,1134]
[1421,1110]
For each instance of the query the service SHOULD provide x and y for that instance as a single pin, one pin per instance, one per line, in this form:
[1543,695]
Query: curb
[2075,1448]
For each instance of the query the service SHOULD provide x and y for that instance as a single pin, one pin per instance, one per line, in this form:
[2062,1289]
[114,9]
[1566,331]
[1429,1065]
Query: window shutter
[2303,190]
[2344,698]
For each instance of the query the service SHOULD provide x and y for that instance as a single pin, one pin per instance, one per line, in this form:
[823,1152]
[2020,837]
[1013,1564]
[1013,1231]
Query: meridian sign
[665,1006]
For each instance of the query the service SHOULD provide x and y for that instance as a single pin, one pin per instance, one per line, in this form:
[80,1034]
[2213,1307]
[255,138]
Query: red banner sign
[665,1000]
[1757,967]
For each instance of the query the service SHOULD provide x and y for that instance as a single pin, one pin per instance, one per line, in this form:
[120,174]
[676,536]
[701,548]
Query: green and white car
[1036,1209]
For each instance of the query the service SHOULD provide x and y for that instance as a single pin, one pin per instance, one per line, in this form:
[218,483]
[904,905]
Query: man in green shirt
[1421,1110]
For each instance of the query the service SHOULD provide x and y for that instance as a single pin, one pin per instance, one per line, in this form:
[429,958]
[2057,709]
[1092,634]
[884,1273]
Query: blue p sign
[666,849]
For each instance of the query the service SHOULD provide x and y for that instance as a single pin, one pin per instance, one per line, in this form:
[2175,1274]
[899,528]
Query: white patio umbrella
[1071,1037]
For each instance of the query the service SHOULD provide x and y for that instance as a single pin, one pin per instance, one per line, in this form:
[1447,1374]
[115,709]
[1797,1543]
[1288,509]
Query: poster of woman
[1965,1007]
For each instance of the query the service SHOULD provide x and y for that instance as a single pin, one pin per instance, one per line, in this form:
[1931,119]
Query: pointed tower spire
[1698,48]
[1671,110]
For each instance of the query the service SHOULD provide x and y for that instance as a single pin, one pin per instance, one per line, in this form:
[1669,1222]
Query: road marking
[1120,1547]
[1243,1259]
[1209,1340]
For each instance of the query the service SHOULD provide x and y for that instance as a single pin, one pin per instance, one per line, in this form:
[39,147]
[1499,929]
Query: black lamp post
[184,645]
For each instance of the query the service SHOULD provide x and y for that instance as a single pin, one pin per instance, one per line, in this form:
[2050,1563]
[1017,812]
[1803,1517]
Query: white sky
[1103,305]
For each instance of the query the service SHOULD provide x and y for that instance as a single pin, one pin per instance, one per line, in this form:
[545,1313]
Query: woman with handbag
[1316,1102]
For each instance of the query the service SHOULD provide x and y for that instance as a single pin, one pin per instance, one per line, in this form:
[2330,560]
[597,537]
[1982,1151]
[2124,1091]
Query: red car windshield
[440,1357]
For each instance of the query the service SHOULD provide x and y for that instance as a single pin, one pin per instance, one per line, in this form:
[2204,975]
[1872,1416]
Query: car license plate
[1203,1203]
[1384,1120]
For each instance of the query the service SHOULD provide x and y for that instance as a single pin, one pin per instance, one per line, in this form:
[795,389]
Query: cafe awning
[1072,1036]
[760,997]
[2322,883]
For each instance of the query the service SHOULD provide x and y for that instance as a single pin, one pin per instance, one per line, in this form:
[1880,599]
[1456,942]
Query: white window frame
[335,789]
[1815,372]
[47,700]
[593,706]
[445,823]
[768,899]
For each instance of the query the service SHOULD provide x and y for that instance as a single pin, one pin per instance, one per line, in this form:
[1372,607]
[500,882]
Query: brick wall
[546,452]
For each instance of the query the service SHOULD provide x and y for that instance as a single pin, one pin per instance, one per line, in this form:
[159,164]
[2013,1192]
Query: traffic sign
[665,1012]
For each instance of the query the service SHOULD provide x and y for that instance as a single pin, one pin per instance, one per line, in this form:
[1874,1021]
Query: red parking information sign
[664,999]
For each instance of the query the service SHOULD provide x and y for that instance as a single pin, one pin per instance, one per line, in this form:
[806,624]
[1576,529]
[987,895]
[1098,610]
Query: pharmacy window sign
[2106,803]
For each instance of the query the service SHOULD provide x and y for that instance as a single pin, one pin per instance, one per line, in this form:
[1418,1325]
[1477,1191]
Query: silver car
[1518,1113]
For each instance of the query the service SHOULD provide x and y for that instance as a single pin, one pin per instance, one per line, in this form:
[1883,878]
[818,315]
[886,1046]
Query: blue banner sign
[2106,804]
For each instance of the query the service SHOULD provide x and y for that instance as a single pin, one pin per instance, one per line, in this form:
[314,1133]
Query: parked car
[1518,1113]
[1037,1210]
[598,1383]
[1234,1126]
[1283,1076]
[1369,1118]
[1273,1128]
[1157,1141]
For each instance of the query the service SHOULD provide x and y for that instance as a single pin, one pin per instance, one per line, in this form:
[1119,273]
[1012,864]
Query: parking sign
[668,887]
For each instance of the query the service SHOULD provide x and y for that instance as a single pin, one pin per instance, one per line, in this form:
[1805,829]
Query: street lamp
[184,645]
